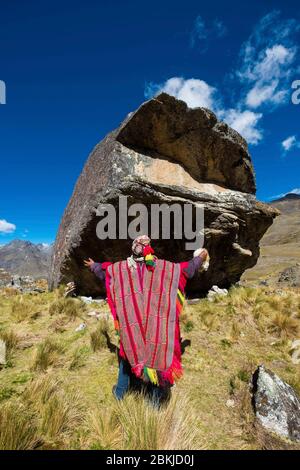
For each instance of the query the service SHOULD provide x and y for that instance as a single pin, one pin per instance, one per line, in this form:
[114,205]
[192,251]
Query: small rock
[81,327]
[193,301]
[215,290]
[295,344]
[70,289]
[93,313]
[90,300]
[230,403]
[295,351]
[277,407]
[2,352]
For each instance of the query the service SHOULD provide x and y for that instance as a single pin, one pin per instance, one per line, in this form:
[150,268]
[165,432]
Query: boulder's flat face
[166,153]
[277,406]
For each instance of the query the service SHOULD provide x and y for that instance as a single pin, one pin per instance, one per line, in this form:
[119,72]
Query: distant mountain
[287,197]
[286,227]
[26,258]
[280,246]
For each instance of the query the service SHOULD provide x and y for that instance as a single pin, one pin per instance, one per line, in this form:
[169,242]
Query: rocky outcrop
[166,153]
[276,404]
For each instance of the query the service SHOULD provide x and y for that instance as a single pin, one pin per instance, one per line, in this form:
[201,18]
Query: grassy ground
[55,390]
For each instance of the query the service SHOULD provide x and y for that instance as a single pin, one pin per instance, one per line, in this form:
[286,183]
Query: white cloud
[202,32]
[6,227]
[262,93]
[219,28]
[198,93]
[199,30]
[195,92]
[267,61]
[289,143]
[244,122]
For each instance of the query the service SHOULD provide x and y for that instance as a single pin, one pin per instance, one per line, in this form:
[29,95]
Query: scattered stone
[295,351]
[22,284]
[70,289]
[2,352]
[193,301]
[81,327]
[39,290]
[90,300]
[290,276]
[277,407]
[215,290]
[230,403]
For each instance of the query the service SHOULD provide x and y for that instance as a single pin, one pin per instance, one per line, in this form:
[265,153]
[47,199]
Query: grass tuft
[47,354]
[11,340]
[71,308]
[98,338]
[18,427]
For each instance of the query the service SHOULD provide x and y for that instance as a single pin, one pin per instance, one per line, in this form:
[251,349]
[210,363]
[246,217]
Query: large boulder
[166,153]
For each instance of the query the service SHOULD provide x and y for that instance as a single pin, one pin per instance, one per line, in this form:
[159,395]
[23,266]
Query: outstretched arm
[192,267]
[96,268]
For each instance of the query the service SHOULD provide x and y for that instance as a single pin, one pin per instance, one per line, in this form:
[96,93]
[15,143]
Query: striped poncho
[146,306]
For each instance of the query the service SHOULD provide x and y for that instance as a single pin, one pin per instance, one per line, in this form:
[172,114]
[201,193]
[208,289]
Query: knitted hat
[141,248]
[139,244]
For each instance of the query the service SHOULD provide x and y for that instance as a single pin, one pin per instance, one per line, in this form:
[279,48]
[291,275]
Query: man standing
[145,295]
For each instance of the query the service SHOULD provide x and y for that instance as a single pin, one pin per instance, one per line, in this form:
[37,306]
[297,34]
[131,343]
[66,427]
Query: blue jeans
[156,394]
[123,383]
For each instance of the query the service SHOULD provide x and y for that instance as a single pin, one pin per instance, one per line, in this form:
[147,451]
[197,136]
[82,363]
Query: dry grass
[47,354]
[11,340]
[72,407]
[98,338]
[21,309]
[134,424]
[71,308]
[18,427]
[146,428]
[283,325]
[61,415]
[79,357]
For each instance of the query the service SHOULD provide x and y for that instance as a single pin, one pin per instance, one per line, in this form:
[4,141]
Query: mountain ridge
[280,246]
[26,258]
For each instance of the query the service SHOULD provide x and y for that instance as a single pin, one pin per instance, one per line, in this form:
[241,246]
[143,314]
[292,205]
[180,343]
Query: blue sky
[73,70]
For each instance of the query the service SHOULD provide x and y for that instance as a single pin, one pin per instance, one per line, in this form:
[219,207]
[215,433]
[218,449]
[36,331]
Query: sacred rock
[166,153]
